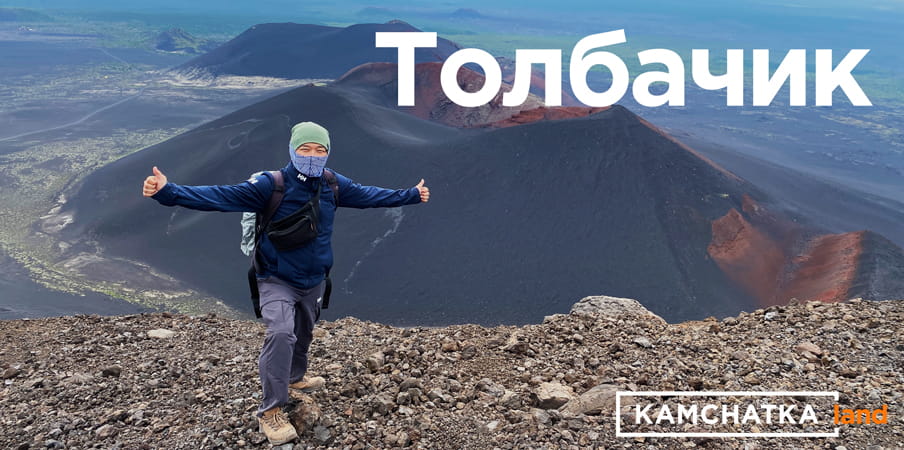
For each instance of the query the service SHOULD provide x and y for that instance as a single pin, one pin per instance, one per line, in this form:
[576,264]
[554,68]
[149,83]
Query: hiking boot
[276,426]
[307,384]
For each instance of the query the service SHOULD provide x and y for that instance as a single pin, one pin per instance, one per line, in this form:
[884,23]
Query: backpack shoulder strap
[263,219]
[333,183]
[276,196]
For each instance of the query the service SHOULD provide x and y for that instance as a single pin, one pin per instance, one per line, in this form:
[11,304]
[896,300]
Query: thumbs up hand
[154,183]
[424,190]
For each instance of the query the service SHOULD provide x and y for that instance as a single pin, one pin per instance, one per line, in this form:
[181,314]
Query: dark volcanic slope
[523,220]
[20,297]
[291,50]
[546,212]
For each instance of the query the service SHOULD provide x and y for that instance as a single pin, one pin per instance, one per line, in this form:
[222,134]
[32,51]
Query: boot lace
[276,420]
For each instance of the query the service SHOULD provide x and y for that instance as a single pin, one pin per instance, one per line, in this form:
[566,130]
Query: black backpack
[261,224]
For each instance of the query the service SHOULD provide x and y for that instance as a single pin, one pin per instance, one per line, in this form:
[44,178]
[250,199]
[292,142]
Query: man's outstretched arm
[354,195]
[250,195]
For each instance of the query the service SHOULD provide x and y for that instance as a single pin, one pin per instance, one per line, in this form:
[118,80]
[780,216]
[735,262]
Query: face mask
[311,166]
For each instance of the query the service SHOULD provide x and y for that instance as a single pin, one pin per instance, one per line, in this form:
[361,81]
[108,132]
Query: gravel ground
[173,381]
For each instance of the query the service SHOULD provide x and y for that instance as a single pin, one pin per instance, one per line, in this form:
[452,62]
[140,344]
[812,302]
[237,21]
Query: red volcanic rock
[747,255]
[769,257]
[826,271]
[537,82]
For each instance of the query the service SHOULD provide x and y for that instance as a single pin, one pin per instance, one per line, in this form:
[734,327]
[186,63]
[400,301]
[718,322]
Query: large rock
[552,395]
[375,361]
[161,333]
[599,399]
[306,415]
[11,372]
[383,404]
[612,306]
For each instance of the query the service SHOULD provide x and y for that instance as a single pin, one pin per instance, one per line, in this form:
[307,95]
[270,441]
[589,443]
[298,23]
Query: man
[291,283]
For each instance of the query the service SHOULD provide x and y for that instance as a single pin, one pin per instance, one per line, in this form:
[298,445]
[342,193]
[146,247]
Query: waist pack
[289,233]
[297,229]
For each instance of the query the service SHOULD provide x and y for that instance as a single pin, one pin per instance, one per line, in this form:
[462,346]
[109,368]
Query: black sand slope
[830,205]
[291,50]
[20,297]
[539,214]
[522,221]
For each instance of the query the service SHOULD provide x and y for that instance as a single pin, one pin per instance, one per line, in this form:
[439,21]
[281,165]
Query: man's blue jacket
[307,266]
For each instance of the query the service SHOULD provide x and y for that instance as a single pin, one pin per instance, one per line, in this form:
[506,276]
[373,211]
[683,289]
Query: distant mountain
[179,40]
[296,51]
[523,219]
[291,50]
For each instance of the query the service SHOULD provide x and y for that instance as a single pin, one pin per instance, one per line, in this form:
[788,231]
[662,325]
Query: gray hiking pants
[289,314]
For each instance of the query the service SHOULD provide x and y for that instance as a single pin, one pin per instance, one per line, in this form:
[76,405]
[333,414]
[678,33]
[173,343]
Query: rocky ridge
[163,380]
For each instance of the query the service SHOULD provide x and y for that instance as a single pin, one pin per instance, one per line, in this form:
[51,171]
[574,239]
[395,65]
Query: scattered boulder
[111,371]
[375,361]
[612,307]
[597,400]
[552,395]
[808,350]
[10,372]
[515,344]
[450,345]
[306,414]
[105,431]
[161,333]
[510,400]
[383,404]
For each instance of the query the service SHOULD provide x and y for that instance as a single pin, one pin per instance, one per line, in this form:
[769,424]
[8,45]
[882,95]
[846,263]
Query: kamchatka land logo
[737,414]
